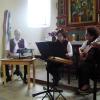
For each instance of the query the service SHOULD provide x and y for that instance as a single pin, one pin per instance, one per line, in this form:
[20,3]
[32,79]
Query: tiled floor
[69,93]
[16,90]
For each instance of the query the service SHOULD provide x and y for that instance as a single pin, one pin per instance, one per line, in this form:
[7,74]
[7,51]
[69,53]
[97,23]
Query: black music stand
[46,51]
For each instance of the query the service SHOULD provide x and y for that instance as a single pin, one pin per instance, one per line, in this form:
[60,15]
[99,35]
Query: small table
[11,61]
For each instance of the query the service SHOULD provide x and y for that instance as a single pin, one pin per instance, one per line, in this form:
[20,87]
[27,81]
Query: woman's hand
[96,44]
[83,56]
[67,56]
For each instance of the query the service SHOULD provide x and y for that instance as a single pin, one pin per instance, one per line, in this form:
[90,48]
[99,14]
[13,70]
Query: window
[39,13]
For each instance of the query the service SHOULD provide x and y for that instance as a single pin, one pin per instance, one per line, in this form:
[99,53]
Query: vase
[53,38]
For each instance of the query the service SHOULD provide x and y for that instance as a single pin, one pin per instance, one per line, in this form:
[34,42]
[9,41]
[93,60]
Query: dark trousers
[17,70]
[7,71]
[25,70]
[86,68]
[85,72]
[54,69]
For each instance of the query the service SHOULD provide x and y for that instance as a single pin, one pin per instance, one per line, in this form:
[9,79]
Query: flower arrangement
[53,35]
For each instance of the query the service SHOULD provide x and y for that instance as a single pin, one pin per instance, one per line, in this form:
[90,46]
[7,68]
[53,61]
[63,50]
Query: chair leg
[68,76]
[94,89]
[11,72]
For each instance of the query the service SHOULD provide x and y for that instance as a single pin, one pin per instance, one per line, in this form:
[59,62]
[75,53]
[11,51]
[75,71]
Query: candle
[98,18]
[73,37]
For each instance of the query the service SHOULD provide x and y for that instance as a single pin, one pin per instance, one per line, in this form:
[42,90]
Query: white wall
[18,9]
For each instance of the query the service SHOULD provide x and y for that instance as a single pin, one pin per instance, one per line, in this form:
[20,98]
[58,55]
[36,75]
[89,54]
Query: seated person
[89,55]
[16,43]
[54,67]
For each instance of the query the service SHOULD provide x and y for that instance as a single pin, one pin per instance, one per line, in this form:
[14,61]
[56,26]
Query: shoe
[18,73]
[8,79]
[55,82]
[84,87]
[25,81]
[84,92]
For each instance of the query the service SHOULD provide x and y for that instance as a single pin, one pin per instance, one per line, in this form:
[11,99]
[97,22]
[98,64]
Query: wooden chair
[72,68]
[67,65]
[95,79]
[95,84]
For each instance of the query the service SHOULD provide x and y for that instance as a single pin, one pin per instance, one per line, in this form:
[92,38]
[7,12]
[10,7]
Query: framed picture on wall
[98,5]
[81,11]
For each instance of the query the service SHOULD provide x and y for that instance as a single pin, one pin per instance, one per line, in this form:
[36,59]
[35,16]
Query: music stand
[56,49]
[45,49]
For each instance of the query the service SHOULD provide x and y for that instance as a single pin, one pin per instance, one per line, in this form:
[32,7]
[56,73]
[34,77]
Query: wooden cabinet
[98,6]
[78,13]
[61,18]
[61,7]
[98,11]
